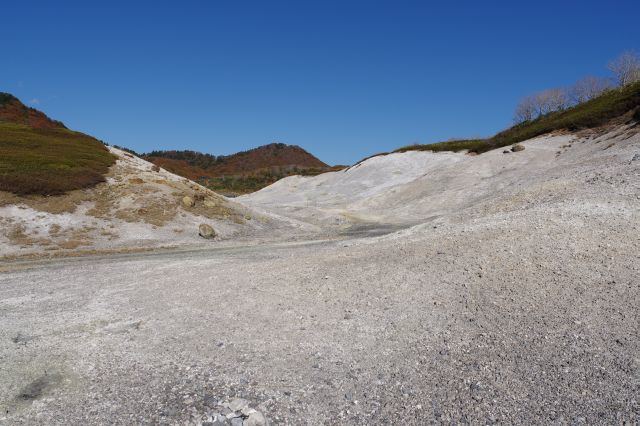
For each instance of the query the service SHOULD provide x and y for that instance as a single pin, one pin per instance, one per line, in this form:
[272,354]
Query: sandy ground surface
[501,288]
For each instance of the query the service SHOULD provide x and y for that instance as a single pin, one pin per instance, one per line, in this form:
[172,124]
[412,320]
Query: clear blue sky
[342,79]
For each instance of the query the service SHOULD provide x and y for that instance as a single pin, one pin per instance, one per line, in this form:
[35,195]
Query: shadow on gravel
[39,387]
[371,230]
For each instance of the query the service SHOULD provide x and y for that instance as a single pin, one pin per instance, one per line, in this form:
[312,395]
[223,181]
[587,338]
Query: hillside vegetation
[14,111]
[593,113]
[247,183]
[40,156]
[243,172]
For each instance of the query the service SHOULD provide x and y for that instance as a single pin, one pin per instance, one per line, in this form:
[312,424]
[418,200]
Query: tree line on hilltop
[625,70]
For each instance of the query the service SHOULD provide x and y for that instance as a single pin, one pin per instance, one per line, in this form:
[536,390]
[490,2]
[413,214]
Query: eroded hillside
[139,206]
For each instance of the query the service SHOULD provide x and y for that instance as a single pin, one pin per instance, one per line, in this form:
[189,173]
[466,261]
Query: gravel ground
[520,308]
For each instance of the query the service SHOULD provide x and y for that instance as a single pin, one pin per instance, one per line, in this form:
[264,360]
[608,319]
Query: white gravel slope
[413,186]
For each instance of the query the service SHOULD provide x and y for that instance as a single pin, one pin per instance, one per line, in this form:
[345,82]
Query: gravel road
[520,309]
[465,323]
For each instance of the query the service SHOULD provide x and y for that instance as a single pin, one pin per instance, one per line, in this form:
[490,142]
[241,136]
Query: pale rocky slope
[138,207]
[410,188]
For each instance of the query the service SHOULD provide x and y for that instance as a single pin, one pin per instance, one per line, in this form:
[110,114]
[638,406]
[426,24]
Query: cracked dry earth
[520,309]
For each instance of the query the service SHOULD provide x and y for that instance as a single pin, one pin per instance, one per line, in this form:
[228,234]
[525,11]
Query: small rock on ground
[206,231]
[255,419]
[188,201]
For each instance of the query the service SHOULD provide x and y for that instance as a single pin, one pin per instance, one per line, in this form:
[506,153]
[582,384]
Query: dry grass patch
[54,229]
[73,244]
[156,213]
[17,235]
[66,203]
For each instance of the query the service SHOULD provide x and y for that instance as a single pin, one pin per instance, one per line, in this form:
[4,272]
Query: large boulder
[206,231]
[188,201]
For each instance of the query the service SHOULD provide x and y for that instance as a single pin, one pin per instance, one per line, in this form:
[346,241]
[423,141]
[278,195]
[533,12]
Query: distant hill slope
[245,162]
[243,172]
[39,155]
[14,111]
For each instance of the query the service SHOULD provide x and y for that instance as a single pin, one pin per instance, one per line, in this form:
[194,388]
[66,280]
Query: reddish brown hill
[242,172]
[274,156]
[14,111]
[41,156]
[180,167]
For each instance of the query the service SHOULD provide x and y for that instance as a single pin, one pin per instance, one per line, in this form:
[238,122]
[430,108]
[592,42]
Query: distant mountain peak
[14,111]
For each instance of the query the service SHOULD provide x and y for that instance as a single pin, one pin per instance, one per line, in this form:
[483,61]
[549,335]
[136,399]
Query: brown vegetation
[41,156]
[243,172]
[14,111]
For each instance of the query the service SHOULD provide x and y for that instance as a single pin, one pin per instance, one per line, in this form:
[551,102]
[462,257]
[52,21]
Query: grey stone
[256,419]
[210,401]
[247,411]
[188,201]
[206,231]
[238,404]
[220,421]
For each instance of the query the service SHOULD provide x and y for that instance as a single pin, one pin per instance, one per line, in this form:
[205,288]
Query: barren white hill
[416,187]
